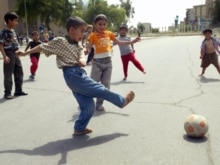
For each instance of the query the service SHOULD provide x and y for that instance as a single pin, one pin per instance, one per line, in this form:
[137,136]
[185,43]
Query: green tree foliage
[47,11]
[216,13]
[127,5]
[115,14]
[57,11]
[140,28]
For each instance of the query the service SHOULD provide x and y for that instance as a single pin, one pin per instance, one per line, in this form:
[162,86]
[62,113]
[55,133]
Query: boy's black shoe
[8,97]
[32,77]
[20,94]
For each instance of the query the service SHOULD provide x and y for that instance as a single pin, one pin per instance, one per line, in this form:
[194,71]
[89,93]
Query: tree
[140,28]
[56,11]
[127,5]
[115,14]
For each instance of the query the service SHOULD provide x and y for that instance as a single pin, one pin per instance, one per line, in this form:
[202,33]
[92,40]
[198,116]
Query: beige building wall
[200,11]
[147,27]
[3,9]
[5,6]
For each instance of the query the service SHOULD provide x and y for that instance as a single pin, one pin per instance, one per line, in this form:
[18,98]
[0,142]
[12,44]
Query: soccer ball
[196,126]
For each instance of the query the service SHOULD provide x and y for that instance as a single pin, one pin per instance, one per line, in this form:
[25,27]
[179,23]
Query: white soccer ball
[196,125]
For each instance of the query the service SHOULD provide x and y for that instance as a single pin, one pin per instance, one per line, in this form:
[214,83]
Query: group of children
[71,59]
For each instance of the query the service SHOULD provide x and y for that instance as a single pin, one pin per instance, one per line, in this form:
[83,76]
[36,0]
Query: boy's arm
[27,47]
[36,49]
[201,54]
[126,42]
[132,46]
[202,50]
[83,40]
[82,61]
[5,57]
[88,48]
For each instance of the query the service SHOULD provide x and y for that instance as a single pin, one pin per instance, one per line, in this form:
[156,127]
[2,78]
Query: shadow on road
[208,80]
[2,100]
[64,146]
[195,140]
[96,114]
[127,82]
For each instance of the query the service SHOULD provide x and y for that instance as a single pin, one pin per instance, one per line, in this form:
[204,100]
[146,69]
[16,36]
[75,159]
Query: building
[147,27]
[6,5]
[200,16]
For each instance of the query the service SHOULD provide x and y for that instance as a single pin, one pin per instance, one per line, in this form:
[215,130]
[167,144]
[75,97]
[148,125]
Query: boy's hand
[82,62]
[137,39]
[86,52]
[19,53]
[6,59]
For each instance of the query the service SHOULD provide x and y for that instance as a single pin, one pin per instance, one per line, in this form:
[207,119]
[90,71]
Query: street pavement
[37,129]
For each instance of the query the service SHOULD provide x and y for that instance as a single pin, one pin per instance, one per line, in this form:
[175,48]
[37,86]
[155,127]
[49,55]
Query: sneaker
[31,77]
[100,108]
[84,132]
[128,98]
[8,97]
[20,94]
[125,78]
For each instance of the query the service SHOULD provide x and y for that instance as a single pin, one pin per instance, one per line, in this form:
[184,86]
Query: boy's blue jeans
[85,89]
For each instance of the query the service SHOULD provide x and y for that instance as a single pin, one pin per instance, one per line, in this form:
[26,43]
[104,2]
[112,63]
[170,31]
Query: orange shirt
[102,41]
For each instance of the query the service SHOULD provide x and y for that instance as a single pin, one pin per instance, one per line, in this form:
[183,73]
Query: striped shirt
[67,52]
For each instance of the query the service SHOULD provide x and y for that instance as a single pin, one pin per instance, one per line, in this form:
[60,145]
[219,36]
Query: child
[127,52]
[12,63]
[209,50]
[34,56]
[102,65]
[85,43]
[70,59]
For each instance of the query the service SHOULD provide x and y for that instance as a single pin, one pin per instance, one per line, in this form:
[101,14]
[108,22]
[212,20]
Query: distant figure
[209,50]
[34,56]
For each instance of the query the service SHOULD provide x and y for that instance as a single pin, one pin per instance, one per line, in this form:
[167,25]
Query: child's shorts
[209,58]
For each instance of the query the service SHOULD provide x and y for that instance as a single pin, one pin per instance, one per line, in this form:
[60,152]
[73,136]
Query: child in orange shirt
[102,64]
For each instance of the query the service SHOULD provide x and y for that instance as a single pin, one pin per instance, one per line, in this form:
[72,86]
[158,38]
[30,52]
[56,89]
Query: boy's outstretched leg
[79,82]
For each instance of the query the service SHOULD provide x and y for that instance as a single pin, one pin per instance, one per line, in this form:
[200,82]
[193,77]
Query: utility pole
[26,20]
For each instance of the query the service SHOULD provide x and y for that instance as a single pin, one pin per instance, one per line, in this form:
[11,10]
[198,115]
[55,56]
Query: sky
[160,13]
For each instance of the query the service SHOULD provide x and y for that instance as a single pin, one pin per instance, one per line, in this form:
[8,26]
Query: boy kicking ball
[70,58]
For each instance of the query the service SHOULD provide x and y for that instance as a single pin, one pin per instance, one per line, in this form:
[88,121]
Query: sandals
[128,98]
[78,133]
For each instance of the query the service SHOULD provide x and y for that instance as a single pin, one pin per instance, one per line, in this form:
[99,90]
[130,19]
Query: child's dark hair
[74,22]
[34,32]
[123,26]
[207,30]
[10,16]
[100,17]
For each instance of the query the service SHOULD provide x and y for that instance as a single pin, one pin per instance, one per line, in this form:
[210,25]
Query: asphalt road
[37,129]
